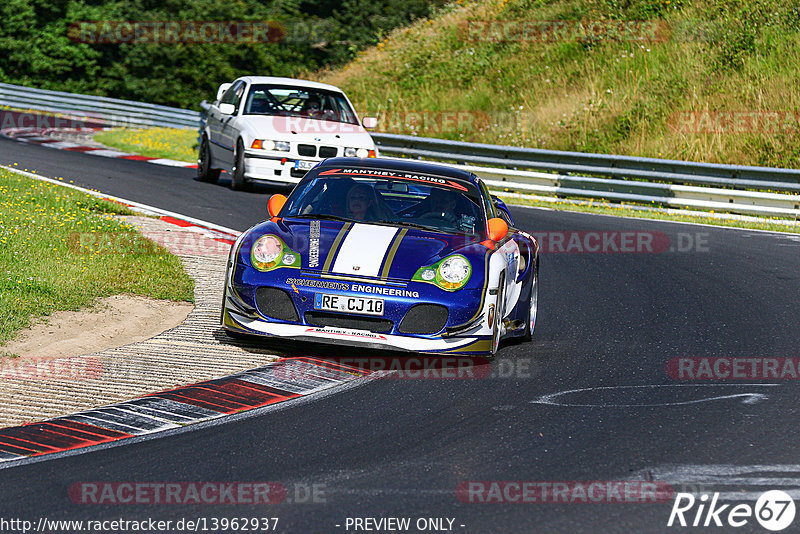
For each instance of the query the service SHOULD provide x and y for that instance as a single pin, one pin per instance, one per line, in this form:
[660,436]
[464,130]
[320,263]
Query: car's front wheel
[533,305]
[204,171]
[238,181]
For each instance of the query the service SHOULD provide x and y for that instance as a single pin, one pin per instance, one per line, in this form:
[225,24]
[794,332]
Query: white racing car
[275,129]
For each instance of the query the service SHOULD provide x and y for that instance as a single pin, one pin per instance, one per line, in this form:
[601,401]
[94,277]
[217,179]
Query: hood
[305,130]
[369,250]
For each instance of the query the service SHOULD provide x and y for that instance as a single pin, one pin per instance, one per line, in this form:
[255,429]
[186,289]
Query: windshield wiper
[415,225]
[324,217]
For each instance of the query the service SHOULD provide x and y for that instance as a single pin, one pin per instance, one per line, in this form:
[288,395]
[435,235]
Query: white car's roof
[289,81]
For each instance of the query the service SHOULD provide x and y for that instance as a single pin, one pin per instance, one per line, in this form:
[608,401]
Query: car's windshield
[452,206]
[287,101]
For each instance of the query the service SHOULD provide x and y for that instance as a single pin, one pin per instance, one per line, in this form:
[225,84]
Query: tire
[238,181]
[498,314]
[533,306]
[204,171]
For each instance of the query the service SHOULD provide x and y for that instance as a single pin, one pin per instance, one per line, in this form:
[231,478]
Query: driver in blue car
[441,206]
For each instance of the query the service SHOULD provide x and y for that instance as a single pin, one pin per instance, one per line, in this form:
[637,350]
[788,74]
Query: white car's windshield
[288,101]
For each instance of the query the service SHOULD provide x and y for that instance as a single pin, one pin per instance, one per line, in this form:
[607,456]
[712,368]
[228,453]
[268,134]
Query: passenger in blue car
[365,204]
[360,200]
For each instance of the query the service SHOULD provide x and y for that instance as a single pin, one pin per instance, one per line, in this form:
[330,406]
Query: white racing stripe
[363,249]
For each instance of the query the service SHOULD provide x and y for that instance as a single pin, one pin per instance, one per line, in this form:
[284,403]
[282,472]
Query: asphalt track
[401,447]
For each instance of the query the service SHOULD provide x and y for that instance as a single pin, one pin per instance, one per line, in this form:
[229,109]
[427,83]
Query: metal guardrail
[596,164]
[575,174]
[111,111]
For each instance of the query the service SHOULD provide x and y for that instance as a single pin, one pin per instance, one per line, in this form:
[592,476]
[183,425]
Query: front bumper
[275,169]
[465,330]
[472,344]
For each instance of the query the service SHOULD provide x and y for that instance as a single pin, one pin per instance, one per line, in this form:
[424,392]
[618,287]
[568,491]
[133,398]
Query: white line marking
[748,398]
[745,481]
[61,145]
[711,478]
[722,469]
[169,162]
[108,153]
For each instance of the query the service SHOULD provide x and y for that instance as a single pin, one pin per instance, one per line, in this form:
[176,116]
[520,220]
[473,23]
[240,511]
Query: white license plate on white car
[304,165]
[346,303]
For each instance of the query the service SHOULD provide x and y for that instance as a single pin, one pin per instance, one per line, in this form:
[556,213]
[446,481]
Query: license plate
[304,165]
[346,303]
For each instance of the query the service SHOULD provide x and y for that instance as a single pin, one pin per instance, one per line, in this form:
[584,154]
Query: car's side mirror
[498,229]
[227,109]
[274,204]
[501,206]
[370,122]
[221,91]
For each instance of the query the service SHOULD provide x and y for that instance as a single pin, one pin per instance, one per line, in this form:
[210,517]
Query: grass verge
[170,143]
[706,80]
[45,266]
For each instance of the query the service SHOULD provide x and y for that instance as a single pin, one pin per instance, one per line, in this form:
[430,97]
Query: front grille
[297,173]
[424,319]
[307,150]
[327,151]
[277,303]
[372,324]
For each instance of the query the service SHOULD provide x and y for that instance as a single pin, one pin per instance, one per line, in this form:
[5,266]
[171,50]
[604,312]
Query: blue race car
[385,254]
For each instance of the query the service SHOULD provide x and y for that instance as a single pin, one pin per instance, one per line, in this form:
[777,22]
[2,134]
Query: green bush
[36,49]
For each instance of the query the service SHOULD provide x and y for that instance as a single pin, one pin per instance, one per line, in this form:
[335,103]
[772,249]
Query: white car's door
[214,122]
[215,132]
[224,135]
